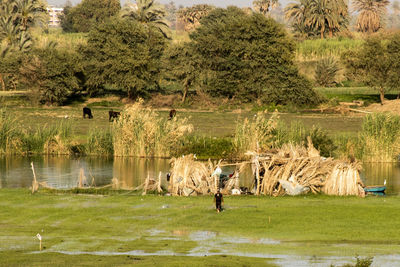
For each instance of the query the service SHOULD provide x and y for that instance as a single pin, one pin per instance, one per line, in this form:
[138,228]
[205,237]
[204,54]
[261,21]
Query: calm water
[63,172]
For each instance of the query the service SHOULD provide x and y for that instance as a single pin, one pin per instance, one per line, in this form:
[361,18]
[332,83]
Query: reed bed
[52,139]
[190,177]
[142,132]
[10,135]
[100,142]
[257,134]
[262,134]
[379,140]
[295,170]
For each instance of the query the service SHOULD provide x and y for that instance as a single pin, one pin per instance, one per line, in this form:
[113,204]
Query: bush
[248,56]
[326,71]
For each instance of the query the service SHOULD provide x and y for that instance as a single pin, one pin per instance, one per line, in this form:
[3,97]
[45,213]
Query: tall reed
[261,134]
[10,135]
[256,134]
[142,132]
[100,142]
[52,139]
[379,140]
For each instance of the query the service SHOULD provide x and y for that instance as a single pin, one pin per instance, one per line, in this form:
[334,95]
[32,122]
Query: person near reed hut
[219,200]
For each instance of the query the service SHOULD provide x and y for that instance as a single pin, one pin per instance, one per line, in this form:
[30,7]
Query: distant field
[218,124]
[314,49]
[367,94]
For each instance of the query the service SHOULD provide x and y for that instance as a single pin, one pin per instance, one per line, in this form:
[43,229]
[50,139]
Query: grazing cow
[172,113]
[87,111]
[113,115]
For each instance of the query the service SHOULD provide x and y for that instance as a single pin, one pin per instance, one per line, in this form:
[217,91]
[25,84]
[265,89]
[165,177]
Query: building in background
[54,12]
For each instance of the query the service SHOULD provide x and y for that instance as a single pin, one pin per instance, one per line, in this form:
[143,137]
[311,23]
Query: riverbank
[305,226]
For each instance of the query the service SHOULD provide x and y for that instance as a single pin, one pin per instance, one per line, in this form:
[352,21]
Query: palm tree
[191,16]
[263,6]
[371,13]
[147,12]
[321,15]
[28,12]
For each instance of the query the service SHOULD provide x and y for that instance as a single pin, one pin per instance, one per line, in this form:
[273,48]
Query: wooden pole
[34,182]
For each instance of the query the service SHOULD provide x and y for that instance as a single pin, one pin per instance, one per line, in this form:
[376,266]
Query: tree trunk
[3,86]
[330,32]
[185,91]
[322,34]
[381,94]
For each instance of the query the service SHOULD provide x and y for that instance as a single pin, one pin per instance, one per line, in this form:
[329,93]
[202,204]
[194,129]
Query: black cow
[113,115]
[172,113]
[87,111]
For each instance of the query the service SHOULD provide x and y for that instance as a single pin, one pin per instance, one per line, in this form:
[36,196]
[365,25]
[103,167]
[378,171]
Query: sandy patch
[392,106]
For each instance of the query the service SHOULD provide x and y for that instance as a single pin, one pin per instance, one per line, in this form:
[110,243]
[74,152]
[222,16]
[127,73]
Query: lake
[63,172]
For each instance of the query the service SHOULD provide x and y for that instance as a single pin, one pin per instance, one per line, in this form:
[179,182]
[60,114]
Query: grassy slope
[217,124]
[311,225]
[57,259]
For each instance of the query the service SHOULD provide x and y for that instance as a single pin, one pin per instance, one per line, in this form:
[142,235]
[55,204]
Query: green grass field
[119,225]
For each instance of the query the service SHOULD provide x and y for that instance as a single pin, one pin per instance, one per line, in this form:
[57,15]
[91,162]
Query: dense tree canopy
[148,12]
[376,64]
[52,75]
[88,13]
[180,65]
[249,57]
[125,54]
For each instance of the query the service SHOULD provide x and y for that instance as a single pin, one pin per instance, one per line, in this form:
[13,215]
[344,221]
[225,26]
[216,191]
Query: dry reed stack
[295,169]
[190,177]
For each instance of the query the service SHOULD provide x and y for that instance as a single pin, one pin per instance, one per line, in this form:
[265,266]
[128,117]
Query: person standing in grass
[219,200]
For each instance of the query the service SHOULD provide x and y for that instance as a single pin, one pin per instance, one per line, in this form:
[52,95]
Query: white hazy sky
[240,3]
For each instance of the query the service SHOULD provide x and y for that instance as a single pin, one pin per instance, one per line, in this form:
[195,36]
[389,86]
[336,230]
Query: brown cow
[172,113]
[113,115]
[87,111]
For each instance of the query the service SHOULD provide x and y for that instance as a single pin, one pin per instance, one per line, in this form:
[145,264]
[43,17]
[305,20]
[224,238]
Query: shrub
[326,71]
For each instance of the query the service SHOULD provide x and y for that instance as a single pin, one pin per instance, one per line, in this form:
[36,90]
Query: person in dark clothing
[219,200]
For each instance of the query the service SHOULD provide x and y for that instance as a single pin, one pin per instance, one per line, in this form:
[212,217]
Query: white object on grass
[235,191]
[217,171]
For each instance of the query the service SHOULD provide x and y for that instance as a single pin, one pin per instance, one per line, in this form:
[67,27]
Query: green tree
[376,64]
[91,12]
[65,19]
[124,54]
[371,12]
[51,74]
[148,12]
[180,65]
[249,57]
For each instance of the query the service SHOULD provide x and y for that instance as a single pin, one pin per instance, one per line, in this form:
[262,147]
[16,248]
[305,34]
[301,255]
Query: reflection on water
[63,172]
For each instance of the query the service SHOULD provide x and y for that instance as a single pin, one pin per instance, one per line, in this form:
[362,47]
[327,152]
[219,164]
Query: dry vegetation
[142,132]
